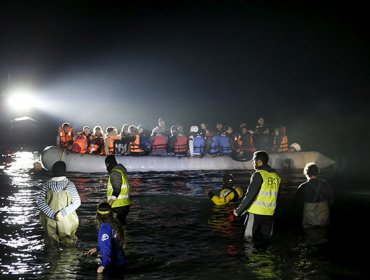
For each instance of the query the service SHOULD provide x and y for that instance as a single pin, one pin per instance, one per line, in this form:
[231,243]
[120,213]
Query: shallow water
[174,232]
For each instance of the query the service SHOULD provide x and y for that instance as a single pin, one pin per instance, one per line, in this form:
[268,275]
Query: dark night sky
[302,64]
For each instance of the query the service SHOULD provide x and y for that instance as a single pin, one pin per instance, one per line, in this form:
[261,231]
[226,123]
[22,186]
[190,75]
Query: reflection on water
[173,232]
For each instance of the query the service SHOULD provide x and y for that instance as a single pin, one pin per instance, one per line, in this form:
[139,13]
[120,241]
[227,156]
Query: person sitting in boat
[196,142]
[172,140]
[158,143]
[262,135]
[227,140]
[229,192]
[82,140]
[284,143]
[145,143]
[213,143]
[97,141]
[58,202]
[65,136]
[276,140]
[126,138]
[180,146]
[207,133]
[135,149]
[110,242]
[245,145]
[161,128]
[111,136]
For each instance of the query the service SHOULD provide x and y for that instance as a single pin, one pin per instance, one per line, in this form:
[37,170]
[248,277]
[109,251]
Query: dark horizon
[303,65]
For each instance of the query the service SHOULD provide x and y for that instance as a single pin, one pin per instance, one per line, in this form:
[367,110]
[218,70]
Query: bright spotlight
[21,101]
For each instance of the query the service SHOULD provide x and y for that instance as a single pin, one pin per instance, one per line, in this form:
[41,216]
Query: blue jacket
[110,246]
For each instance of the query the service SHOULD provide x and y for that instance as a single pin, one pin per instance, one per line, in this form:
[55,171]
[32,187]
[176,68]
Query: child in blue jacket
[110,240]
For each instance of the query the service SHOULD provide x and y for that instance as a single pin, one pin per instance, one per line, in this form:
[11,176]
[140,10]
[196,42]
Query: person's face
[37,166]
[261,121]
[229,129]
[66,128]
[244,131]
[87,130]
[97,131]
[161,123]
[203,125]
[256,163]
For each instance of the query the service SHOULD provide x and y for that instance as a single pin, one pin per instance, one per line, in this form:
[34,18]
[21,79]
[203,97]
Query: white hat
[194,128]
[295,147]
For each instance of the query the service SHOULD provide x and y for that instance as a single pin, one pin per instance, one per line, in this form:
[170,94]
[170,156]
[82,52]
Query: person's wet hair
[311,169]
[262,156]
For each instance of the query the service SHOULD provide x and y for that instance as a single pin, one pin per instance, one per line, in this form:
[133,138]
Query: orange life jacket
[159,143]
[252,147]
[135,146]
[111,140]
[181,144]
[65,138]
[80,144]
[284,146]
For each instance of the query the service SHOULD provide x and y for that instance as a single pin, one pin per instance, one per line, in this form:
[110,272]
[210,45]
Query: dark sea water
[174,231]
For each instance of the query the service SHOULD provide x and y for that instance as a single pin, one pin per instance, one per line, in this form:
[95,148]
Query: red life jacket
[159,143]
[181,144]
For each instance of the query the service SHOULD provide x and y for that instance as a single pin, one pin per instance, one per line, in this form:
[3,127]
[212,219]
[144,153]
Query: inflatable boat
[88,163]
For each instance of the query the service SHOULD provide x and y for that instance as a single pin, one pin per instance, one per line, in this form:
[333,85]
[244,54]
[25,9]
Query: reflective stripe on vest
[123,197]
[265,202]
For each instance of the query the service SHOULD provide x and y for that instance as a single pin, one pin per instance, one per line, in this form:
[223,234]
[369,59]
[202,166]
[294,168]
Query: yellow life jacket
[227,195]
[123,197]
[265,202]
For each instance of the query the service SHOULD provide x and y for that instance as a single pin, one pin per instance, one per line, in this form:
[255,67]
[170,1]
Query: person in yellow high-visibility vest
[259,202]
[118,188]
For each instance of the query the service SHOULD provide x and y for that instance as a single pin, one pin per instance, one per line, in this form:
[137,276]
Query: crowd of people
[59,200]
[160,141]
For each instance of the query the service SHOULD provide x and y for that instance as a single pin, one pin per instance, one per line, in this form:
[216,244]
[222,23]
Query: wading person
[118,188]
[314,196]
[259,202]
[229,192]
[110,241]
[58,202]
